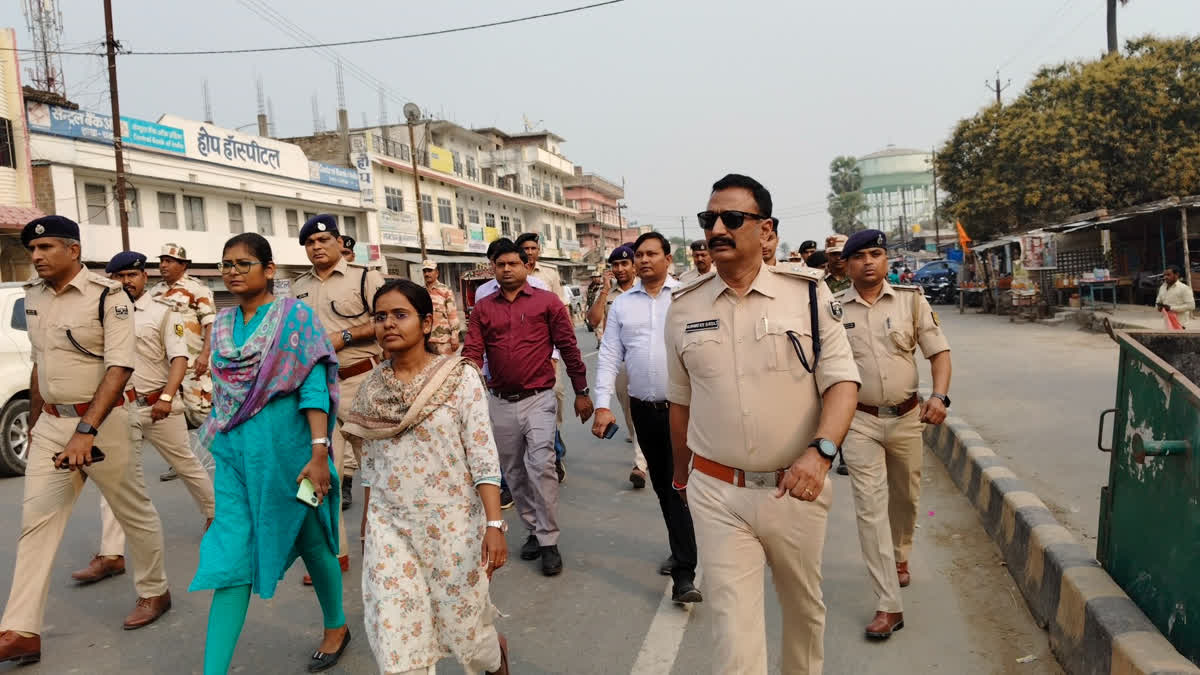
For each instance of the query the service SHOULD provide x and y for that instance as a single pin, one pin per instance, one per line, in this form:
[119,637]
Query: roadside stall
[471,280]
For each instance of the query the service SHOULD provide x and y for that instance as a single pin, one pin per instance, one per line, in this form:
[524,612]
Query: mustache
[721,241]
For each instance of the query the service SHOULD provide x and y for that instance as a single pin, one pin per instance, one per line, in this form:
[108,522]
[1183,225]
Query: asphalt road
[605,614]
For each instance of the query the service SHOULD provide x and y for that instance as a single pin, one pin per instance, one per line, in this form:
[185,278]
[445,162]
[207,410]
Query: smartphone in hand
[97,456]
[610,430]
[307,494]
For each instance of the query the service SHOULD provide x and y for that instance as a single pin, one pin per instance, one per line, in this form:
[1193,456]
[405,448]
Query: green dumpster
[1149,540]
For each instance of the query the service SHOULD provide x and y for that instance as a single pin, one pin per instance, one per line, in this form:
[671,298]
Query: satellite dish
[412,112]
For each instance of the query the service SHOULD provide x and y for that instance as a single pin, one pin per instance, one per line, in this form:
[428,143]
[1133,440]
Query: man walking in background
[445,314]
[701,260]
[1176,296]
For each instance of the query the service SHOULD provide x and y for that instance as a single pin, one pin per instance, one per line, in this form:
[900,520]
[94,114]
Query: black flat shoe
[320,661]
[667,566]
[685,592]
[531,550]
[347,492]
[551,561]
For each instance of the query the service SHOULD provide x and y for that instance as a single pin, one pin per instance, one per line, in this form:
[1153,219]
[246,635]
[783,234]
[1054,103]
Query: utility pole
[111,46]
[995,86]
[937,227]
[412,144]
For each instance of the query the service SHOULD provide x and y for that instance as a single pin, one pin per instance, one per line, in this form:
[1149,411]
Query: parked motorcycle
[941,290]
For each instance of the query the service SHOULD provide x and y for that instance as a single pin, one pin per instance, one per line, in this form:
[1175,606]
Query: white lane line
[661,646]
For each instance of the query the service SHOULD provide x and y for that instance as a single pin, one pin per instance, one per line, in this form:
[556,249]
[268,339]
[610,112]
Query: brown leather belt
[514,396]
[358,368]
[77,409]
[891,410]
[736,477]
[147,400]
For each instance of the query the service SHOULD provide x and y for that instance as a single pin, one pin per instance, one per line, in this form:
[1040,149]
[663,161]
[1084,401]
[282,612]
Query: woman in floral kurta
[431,465]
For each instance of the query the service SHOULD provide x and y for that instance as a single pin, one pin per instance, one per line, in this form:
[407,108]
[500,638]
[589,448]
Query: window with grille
[350,226]
[168,216]
[236,224]
[266,220]
[193,213]
[489,220]
[97,203]
[444,211]
[135,211]
[293,222]
[427,207]
[393,199]
[505,227]
[473,216]
[7,152]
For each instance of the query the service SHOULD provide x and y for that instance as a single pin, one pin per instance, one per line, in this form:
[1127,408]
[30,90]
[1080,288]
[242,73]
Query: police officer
[155,414]
[701,260]
[81,332]
[762,387]
[883,450]
[194,300]
[836,279]
[341,294]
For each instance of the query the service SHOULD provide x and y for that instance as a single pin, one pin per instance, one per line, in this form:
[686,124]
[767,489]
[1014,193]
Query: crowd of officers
[740,383]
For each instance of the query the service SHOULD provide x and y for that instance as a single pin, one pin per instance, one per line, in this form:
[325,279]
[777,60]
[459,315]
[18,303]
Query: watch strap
[85,428]
[166,397]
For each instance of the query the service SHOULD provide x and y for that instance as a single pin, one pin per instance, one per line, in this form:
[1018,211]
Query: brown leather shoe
[16,647]
[902,573]
[99,569]
[503,669]
[147,611]
[343,560]
[884,624]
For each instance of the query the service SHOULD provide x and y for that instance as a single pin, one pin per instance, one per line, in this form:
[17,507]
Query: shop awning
[15,217]
[438,258]
[993,244]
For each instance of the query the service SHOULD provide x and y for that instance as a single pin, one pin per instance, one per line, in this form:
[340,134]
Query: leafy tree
[679,251]
[1109,133]
[846,201]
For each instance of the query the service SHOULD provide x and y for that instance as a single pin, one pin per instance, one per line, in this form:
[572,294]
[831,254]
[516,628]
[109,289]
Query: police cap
[809,245]
[864,240]
[699,245]
[125,260]
[622,252]
[319,223]
[49,226]
[817,259]
[349,242]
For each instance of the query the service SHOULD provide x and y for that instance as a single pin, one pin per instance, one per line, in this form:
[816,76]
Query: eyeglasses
[239,266]
[397,314]
[732,219]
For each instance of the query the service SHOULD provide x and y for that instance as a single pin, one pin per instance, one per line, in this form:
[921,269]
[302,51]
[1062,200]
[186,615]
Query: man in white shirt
[1175,295]
[634,334]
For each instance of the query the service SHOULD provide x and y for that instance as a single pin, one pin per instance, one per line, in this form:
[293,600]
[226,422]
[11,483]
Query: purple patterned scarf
[274,361]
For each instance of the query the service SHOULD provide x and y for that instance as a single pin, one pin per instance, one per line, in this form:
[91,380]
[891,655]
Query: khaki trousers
[622,386]
[170,437]
[50,496]
[738,529]
[346,463]
[884,457]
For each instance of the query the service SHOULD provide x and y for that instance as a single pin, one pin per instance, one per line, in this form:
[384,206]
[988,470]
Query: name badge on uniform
[848,326]
[302,296]
[121,312]
[697,326]
[31,312]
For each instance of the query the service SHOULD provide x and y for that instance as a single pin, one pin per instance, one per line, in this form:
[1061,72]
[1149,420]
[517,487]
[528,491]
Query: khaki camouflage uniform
[445,319]
[194,301]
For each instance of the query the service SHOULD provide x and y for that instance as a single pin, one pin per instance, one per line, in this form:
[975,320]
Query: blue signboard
[97,127]
[333,176]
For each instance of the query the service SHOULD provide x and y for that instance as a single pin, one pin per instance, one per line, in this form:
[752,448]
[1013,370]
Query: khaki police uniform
[338,302]
[160,339]
[883,451]
[61,327]
[755,407]
[195,304]
[621,385]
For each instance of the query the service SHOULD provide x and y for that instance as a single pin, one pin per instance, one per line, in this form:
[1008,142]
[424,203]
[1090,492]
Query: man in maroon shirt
[518,328]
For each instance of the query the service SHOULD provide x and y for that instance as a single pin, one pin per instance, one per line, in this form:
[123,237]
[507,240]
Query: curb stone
[1094,627]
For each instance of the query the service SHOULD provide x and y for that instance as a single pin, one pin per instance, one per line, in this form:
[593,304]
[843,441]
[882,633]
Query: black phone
[610,430]
[97,456]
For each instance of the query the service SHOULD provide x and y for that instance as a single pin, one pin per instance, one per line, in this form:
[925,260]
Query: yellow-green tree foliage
[1111,133]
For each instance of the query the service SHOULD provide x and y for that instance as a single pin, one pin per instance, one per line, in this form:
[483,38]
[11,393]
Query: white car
[16,365]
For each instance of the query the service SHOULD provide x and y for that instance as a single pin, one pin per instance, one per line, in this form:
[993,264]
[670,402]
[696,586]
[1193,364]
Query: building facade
[187,182]
[898,185]
[16,175]
[599,222]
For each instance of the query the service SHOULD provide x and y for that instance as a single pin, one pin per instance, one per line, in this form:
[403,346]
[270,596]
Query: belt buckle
[66,410]
[142,402]
[889,411]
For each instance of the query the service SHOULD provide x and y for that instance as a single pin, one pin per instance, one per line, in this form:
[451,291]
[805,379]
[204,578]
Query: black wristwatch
[943,398]
[826,447]
[347,337]
[583,393]
[85,428]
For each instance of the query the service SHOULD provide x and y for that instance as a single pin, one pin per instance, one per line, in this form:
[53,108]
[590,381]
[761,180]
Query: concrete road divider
[1094,627]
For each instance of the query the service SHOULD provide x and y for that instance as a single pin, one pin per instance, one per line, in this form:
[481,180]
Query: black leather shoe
[686,592]
[551,561]
[531,550]
[506,500]
[667,566]
[320,661]
[347,492]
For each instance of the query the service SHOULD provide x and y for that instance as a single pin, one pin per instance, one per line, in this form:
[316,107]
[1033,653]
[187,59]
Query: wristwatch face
[827,448]
[347,336]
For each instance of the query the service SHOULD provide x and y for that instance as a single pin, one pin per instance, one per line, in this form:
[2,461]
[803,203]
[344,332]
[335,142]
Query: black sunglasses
[732,219]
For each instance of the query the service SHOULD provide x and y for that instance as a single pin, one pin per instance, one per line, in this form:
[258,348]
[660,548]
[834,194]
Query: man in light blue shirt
[634,334]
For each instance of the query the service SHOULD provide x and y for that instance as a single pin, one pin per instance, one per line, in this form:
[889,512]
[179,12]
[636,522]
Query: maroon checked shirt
[518,338]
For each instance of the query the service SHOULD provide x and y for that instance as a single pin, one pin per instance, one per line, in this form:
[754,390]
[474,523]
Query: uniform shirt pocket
[76,335]
[901,342]
[702,353]
[782,349]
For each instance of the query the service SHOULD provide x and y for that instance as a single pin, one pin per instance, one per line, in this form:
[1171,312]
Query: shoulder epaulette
[173,305]
[798,271]
[906,287]
[102,280]
[35,281]
[689,286]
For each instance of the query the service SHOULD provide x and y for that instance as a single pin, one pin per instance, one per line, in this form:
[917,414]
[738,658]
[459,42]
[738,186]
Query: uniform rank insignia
[178,330]
[848,326]
[121,312]
[835,308]
[302,296]
[697,326]
[31,312]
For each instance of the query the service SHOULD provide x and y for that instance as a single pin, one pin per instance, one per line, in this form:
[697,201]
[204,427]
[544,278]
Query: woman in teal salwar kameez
[274,399]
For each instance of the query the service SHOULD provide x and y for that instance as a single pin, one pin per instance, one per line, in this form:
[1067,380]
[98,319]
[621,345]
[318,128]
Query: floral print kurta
[425,593]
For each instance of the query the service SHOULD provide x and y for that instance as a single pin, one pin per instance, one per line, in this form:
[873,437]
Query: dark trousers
[653,428]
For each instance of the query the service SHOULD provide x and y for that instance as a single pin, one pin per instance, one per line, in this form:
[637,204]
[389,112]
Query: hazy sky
[668,94]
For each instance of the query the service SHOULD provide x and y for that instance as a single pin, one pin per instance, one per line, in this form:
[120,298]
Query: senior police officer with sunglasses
[762,386]
[341,294]
[886,324]
[81,331]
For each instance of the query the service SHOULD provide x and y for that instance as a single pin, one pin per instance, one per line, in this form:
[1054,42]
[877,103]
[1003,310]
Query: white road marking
[661,646]
[591,354]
